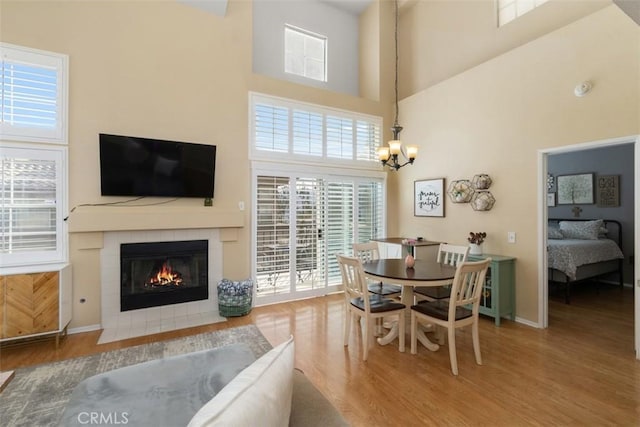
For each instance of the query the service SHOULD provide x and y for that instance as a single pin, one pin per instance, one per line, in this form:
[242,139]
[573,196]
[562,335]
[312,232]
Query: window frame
[358,158]
[60,155]
[43,59]
[38,143]
[504,4]
[330,175]
[307,35]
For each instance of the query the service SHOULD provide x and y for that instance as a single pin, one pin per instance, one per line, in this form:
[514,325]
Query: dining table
[425,272]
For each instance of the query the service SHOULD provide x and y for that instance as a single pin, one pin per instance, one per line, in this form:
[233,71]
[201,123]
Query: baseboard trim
[528,322]
[82,329]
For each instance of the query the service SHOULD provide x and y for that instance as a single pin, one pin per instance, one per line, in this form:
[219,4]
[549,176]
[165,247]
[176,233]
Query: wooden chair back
[366,251]
[452,254]
[353,279]
[467,286]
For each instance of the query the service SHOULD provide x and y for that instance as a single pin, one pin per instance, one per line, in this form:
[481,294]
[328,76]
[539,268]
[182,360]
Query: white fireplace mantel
[112,218]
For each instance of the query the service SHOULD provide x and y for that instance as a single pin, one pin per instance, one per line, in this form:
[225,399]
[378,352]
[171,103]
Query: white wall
[340,28]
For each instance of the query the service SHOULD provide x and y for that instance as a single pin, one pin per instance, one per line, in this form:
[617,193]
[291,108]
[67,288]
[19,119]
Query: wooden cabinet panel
[45,302]
[30,304]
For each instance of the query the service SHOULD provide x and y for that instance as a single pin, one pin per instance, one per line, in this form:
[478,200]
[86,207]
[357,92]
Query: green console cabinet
[499,294]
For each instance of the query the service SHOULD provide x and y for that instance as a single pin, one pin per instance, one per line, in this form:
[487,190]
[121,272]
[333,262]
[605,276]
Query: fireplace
[162,273]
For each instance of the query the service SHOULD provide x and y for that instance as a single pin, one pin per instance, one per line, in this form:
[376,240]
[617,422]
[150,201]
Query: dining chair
[360,303]
[447,254]
[368,252]
[462,309]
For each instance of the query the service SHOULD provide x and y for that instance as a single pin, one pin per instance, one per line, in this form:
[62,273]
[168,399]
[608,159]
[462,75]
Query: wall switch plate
[511,236]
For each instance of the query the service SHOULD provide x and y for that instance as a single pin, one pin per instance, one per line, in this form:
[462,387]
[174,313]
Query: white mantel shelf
[100,218]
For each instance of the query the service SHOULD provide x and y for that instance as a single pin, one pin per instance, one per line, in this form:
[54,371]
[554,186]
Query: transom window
[33,87]
[311,133]
[508,10]
[305,53]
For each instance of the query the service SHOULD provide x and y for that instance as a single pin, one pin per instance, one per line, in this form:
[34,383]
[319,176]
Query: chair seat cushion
[378,304]
[434,292]
[440,310]
[384,289]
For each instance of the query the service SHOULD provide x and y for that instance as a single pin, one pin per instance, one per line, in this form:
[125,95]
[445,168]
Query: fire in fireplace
[161,273]
[164,276]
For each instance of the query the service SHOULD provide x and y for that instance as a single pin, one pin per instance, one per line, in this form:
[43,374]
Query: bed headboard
[614,227]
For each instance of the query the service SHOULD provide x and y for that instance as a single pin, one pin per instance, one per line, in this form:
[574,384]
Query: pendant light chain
[396,59]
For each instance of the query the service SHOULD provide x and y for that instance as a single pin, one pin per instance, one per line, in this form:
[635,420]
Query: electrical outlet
[241,206]
[511,236]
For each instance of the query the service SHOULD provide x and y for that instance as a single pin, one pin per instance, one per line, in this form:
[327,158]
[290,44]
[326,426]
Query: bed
[582,249]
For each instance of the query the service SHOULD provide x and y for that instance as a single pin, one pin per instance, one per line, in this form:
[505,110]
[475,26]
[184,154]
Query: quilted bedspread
[567,255]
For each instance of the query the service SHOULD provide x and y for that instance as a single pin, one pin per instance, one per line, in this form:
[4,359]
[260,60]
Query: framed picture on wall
[575,189]
[608,191]
[429,197]
[551,199]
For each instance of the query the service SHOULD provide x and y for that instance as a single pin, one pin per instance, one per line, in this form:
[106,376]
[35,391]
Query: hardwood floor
[581,371]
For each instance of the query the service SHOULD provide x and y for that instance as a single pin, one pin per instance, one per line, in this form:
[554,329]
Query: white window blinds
[313,134]
[305,53]
[33,91]
[31,218]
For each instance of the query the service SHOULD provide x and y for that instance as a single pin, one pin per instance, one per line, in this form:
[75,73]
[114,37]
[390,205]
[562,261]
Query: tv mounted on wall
[133,166]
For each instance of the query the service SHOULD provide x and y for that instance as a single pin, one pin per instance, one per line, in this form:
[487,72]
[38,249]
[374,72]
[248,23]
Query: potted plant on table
[475,242]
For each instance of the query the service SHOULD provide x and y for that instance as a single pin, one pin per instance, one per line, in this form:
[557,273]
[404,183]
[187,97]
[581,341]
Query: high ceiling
[355,7]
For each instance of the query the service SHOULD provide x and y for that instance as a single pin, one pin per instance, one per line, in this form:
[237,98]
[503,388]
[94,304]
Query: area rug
[37,395]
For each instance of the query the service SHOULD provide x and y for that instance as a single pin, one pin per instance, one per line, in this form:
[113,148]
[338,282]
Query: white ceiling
[355,7]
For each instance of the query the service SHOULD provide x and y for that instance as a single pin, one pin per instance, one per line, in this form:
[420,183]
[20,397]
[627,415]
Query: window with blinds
[302,221]
[305,53]
[312,134]
[33,90]
[33,156]
[31,217]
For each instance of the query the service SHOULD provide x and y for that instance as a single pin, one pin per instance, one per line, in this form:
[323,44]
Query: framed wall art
[551,199]
[429,197]
[608,191]
[575,189]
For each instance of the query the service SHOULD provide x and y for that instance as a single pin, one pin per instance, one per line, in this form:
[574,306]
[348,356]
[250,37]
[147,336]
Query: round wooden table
[423,273]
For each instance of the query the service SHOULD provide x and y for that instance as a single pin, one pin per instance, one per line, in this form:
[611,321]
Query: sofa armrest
[309,407]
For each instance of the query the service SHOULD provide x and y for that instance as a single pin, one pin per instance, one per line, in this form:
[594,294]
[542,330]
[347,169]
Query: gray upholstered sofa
[223,386]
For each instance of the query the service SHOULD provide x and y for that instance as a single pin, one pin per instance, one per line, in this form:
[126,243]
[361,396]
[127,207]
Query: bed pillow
[260,395]
[585,230]
[554,233]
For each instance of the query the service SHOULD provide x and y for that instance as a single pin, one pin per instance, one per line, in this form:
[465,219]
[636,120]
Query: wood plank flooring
[580,372]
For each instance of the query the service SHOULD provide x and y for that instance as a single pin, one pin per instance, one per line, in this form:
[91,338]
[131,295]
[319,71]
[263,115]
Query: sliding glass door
[301,222]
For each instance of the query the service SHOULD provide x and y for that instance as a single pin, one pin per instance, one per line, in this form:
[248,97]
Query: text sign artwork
[429,197]
[608,191]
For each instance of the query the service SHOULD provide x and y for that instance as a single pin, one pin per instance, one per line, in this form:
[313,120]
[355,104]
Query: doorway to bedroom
[609,168]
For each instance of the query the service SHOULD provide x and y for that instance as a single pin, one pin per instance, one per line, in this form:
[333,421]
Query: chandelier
[390,155]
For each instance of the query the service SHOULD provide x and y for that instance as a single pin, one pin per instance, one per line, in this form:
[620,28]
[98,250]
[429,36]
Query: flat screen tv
[133,166]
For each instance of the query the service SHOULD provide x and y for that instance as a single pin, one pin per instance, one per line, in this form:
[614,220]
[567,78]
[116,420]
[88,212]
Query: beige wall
[495,117]
[442,38]
[155,69]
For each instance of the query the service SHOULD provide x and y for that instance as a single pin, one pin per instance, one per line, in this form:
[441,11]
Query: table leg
[407,300]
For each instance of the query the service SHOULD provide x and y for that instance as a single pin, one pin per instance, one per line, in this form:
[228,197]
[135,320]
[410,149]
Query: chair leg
[365,338]
[414,333]
[452,350]
[476,342]
[347,327]
[401,330]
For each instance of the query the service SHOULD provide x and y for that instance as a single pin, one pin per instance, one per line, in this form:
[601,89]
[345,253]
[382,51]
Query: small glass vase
[475,249]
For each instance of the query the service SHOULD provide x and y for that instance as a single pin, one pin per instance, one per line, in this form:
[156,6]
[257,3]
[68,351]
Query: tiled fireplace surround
[119,325]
